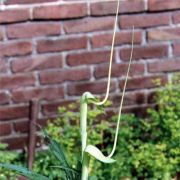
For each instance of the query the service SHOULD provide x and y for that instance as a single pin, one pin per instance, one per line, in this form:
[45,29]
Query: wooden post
[34,109]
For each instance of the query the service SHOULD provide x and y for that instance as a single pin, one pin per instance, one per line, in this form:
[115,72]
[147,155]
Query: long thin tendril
[94,151]
[111,58]
[122,98]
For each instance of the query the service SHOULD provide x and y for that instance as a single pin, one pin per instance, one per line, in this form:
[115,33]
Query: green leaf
[96,153]
[57,151]
[68,169]
[24,172]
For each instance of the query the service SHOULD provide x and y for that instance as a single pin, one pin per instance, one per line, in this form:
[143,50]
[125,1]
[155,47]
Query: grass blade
[56,150]
[24,172]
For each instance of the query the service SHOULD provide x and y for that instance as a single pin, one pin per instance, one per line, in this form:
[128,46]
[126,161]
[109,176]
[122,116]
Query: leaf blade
[96,153]
[24,172]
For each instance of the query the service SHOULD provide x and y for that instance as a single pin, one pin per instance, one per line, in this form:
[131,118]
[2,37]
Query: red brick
[53,77]
[13,112]
[28,1]
[16,81]
[138,111]
[52,108]
[145,52]
[89,25]
[13,48]
[4,98]
[144,20]
[39,62]
[130,98]
[43,121]
[128,6]
[93,57]
[16,142]
[164,66]
[164,34]
[93,87]
[5,129]
[64,11]
[122,37]
[3,66]
[47,93]
[61,44]
[21,127]
[176,49]
[30,30]
[158,5]
[176,17]
[119,70]
[142,82]
[14,15]
[151,97]
[1,34]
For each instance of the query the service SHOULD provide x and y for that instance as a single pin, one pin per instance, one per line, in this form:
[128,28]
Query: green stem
[85,167]
[83,124]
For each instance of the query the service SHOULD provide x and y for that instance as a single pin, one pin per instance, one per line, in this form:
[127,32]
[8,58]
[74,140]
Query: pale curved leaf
[96,153]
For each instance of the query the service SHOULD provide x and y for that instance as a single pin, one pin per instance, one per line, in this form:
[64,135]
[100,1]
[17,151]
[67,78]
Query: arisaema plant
[88,150]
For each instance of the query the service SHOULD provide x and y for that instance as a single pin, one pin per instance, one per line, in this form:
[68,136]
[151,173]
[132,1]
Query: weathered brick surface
[129,99]
[16,81]
[1,34]
[14,15]
[13,48]
[61,44]
[5,129]
[176,17]
[142,82]
[128,6]
[176,49]
[30,30]
[21,127]
[4,98]
[54,51]
[3,66]
[144,21]
[47,93]
[89,25]
[60,12]
[96,88]
[159,5]
[28,1]
[54,77]
[164,66]
[145,52]
[122,37]
[40,62]
[119,70]
[164,34]
[52,108]
[93,57]
[13,112]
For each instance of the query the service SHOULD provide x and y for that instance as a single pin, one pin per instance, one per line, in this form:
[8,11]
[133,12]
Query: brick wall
[55,51]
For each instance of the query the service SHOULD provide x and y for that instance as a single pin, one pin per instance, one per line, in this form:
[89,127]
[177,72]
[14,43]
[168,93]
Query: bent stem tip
[111,59]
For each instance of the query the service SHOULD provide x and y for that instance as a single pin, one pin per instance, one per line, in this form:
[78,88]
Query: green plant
[7,157]
[150,148]
[65,130]
[147,148]
[66,126]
